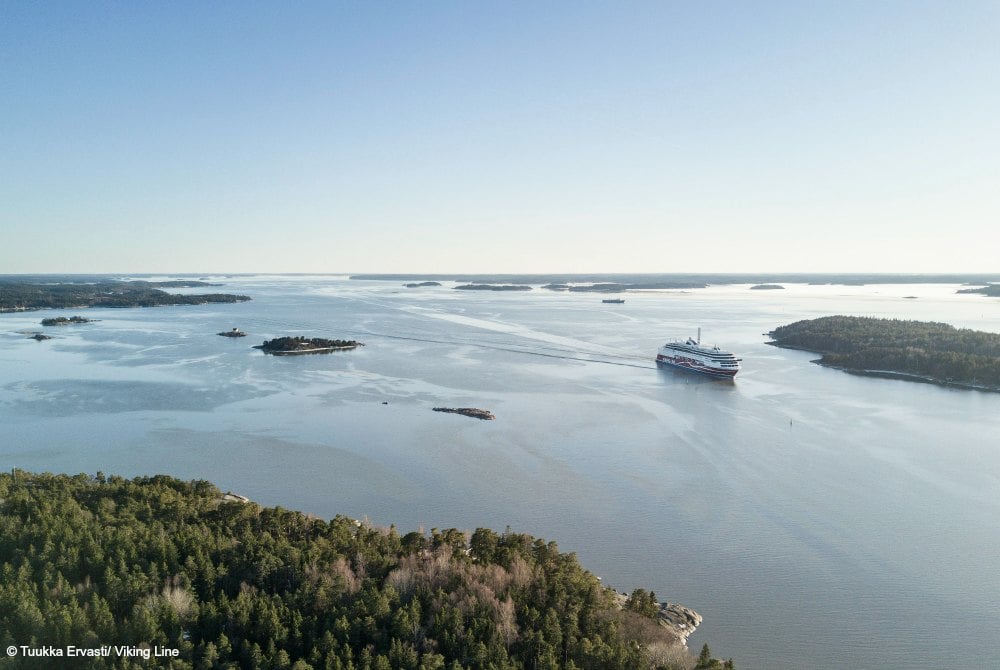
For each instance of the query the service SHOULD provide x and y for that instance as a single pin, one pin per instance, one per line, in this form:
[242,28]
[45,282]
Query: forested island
[156,562]
[993,290]
[20,296]
[923,351]
[302,345]
[63,321]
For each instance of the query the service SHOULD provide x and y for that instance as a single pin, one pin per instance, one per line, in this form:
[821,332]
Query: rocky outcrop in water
[474,412]
[682,621]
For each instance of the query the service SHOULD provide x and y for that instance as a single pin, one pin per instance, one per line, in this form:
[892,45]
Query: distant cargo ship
[693,356]
[616,301]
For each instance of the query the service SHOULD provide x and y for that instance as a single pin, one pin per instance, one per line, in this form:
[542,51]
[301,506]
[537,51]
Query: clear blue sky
[499,137]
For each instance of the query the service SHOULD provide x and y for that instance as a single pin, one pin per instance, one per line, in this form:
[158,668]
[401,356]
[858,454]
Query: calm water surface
[815,518]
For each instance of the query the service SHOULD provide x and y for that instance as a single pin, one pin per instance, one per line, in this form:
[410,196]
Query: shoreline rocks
[682,621]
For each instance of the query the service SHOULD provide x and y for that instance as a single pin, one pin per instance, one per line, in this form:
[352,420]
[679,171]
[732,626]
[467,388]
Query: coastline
[891,374]
[318,350]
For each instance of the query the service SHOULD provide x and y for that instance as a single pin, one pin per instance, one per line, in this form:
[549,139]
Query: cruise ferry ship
[694,356]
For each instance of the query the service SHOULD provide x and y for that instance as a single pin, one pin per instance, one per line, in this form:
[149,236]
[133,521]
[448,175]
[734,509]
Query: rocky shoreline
[907,376]
[681,621]
[890,374]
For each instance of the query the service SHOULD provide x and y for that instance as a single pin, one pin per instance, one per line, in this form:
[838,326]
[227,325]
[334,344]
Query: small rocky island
[766,287]
[63,321]
[285,346]
[235,332]
[41,337]
[474,412]
[420,284]
[937,353]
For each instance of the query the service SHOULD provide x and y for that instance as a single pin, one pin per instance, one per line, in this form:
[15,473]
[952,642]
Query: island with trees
[155,562]
[23,296]
[918,350]
[63,321]
[992,290]
[284,346]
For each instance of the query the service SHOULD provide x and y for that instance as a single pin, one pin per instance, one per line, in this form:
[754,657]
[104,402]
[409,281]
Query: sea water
[816,519]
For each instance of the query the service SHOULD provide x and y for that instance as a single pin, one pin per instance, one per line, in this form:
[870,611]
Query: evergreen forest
[20,295]
[299,344]
[154,561]
[936,352]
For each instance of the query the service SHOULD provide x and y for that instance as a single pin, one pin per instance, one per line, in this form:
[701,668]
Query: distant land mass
[993,290]
[21,295]
[766,287]
[690,280]
[493,287]
[917,350]
[422,284]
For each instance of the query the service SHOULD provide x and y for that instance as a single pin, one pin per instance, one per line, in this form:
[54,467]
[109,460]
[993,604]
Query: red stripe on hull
[694,367]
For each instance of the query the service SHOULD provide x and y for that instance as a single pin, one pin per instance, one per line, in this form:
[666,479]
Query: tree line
[92,560]
[937,351]
[24,295]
